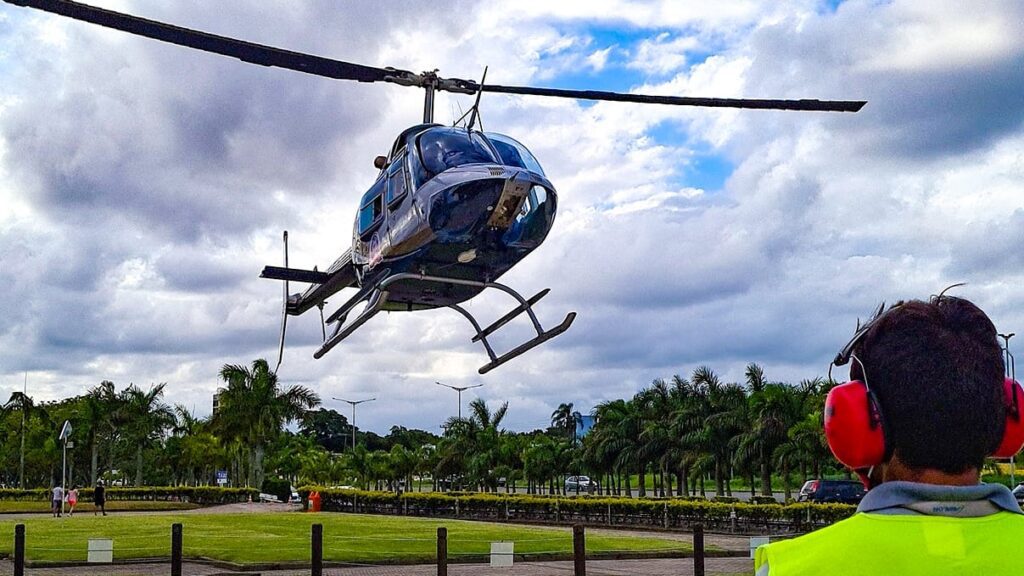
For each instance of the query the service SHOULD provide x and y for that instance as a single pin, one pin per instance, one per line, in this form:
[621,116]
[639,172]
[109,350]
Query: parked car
[580,484]
[1018,493]
[838,491]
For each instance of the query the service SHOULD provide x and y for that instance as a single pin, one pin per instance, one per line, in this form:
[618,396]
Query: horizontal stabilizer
[294,275]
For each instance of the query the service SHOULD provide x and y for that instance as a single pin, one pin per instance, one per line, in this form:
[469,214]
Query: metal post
[175,549]
[579,551]
[63,475]
[442,551]
[19,550]
[698,550]
[354,403]
[317,551]
[460,390]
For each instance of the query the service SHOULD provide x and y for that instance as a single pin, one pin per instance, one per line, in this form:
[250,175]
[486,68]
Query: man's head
[936,369]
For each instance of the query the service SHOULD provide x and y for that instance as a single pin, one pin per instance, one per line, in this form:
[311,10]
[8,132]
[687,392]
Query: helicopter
[452,209]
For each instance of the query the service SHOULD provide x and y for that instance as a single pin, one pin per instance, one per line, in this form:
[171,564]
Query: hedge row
[594,510]
[203,495]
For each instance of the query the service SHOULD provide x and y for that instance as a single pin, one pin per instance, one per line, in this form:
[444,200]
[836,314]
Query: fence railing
[677,514]
[316,565]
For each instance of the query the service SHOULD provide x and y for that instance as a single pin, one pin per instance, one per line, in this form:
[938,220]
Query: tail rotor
[284,309]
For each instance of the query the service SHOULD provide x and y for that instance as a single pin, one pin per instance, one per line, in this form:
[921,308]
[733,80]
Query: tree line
[677,436]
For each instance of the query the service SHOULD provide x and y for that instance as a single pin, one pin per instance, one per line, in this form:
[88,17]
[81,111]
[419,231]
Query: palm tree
[100,406]
[146,417]
[617,431]
[717,418]
[254,409]
[566,419]
[24,404]
[540,463]
[773,408]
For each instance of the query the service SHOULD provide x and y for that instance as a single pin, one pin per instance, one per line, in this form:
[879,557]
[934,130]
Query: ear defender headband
[855,427]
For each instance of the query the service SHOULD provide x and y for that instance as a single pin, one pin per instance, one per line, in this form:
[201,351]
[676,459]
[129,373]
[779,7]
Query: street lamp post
[460,390]
[354,403]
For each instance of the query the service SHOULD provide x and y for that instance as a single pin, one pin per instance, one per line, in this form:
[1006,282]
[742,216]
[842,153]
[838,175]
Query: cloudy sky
[143,186]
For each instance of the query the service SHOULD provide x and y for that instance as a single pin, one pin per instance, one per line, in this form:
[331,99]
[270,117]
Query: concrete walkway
[659,567]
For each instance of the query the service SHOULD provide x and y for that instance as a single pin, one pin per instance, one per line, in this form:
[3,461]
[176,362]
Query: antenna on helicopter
[474,111]
[476,105]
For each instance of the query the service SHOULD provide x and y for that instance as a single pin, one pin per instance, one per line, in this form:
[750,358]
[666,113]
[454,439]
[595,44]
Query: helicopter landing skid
[378,297]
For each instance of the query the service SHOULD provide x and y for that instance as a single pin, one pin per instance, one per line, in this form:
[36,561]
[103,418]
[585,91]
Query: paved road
[659,567]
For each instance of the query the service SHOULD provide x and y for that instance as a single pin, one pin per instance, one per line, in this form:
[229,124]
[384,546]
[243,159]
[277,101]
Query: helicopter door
[372,232]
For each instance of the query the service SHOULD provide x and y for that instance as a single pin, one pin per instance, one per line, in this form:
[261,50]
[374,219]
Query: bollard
[442,551]
[579,551]
[317,551]
[175,549]
[19,550]
[698,550]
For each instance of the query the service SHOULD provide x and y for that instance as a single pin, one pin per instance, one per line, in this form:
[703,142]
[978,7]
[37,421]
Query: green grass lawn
[9,506]
[284,537]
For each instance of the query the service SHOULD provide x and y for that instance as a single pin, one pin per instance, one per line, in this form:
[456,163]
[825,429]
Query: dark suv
[839,491]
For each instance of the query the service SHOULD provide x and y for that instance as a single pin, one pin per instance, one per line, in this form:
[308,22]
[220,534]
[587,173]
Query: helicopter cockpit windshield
[442,148]
[513,153]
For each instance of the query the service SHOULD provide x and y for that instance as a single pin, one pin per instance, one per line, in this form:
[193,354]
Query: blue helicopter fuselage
[453,203]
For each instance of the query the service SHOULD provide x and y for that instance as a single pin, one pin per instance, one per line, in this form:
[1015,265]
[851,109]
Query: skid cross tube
[374,304]
[481,334]
[377,297]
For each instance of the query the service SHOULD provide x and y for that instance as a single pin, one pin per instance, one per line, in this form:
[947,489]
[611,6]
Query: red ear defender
[1013,437]
[853,426]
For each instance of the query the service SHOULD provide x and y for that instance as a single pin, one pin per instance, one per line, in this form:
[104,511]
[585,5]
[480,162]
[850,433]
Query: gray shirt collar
[900,497]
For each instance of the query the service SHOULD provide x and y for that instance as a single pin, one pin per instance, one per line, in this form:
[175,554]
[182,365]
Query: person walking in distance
[57,501]
[99,498]
[72,499]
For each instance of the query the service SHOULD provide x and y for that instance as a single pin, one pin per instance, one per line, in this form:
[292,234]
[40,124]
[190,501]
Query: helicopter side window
[398,184]
[443,148]
[513,153]
[372,210]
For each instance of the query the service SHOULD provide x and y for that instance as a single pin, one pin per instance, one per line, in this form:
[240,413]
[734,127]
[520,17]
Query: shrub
[203,495]
[279,487]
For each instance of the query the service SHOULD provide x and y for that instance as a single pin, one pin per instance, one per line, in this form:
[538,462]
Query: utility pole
[1011,373]
[21,462]
[354,403]
[460,390]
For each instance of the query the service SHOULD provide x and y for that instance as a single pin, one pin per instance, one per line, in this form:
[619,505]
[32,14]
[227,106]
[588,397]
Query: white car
[580,484]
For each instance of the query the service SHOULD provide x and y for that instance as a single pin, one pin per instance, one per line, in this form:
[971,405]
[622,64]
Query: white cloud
[663,53]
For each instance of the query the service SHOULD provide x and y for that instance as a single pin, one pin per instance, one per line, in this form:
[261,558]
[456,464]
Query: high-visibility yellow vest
[869,544]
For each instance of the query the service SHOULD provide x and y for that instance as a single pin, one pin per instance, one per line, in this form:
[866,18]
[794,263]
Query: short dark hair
[936,368]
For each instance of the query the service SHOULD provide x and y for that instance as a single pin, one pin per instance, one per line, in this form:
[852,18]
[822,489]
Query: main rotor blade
[811,105]
[245,51]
